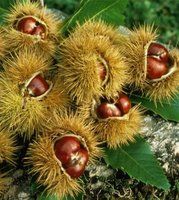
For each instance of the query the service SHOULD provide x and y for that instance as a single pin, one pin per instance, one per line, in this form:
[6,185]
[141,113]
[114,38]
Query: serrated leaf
[167,110]
[109,11]
[139,162]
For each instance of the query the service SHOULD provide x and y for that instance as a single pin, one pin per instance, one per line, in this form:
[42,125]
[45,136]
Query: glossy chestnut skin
[65,146]
[101,71]
[158,51]
[123,103]
[76,166]
[30,25]
[27,25]
[73,156]
[37,86]
[106,110]
[156,68]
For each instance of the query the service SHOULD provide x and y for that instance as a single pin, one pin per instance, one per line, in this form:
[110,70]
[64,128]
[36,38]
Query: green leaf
[109,11]
[3,13]
[167,110]
[139,162]
[6,4]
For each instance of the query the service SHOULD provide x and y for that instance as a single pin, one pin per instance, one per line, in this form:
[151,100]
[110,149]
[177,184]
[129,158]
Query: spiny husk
[44,162]
[81,54]
[2,44]
[48,171]
[7,146]
[100,28]
[116,132]
[134,50]
[22,65]
[32,117]
[168,87]
[17,40]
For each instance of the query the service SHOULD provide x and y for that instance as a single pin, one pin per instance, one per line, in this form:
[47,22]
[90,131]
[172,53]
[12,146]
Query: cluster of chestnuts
[67,96]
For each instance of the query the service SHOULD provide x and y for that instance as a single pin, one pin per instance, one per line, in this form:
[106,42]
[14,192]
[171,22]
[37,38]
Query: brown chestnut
[155,68]
[77,163]
[106,110]
[101,71]
[123,103]
[158,51]
[72,154]
[37,86]
[27,25]
[30,25]
[65,146]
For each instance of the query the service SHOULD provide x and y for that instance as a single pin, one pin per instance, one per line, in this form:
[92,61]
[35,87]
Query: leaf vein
[153,177]
[104,9]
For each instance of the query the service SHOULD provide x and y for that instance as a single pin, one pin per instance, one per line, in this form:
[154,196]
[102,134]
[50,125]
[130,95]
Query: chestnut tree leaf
[169,110]
[109,11]
[3,13]
[137,160]
[6,4]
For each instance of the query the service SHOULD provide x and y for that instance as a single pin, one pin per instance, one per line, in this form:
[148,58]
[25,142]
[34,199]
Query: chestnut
[39,30]
[72,155]
[158,51]
[106,110]
[101,71]
[30,25]
[123,103]
[37,86]
[65,146]
[155,68]
[27,25]
[76,165]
